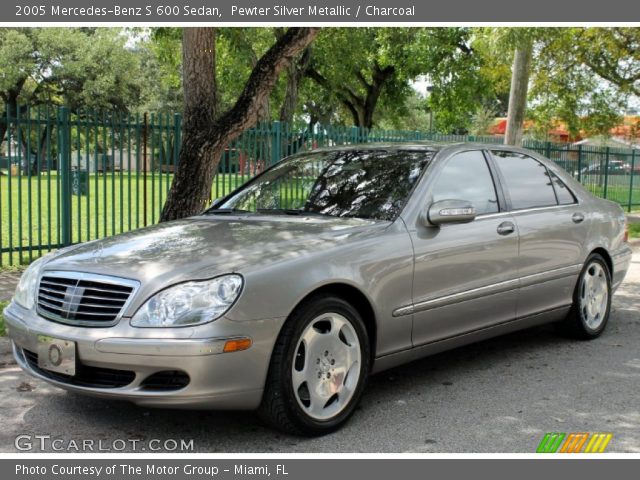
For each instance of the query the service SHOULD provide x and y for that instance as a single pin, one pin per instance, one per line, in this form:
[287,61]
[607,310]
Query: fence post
[276,143]
[633,162]
[548,151]
[354,135]
[145,133]
[177,140]
[580,163]
[64,166]
[606,172]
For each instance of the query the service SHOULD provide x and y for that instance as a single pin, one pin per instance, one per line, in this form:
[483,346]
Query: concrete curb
[634,242]
[633,218]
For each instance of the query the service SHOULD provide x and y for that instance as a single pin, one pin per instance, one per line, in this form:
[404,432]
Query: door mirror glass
[450,211]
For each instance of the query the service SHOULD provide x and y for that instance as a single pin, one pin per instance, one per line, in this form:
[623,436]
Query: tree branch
[261,82]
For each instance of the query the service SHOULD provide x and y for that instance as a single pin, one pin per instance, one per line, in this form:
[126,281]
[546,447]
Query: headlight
[189,303]
[26,289]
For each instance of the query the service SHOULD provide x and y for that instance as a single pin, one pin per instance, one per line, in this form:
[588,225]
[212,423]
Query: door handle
[577,217]
[505,228]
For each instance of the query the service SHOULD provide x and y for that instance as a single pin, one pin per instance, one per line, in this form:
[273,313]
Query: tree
[77,67]
[206,134]
[482,120]
[518,93]
[373,78]
[371,82]
[581,77]
[373,62]
[611,53]
[566,87]
[161,57]
[465,76]
[295,75]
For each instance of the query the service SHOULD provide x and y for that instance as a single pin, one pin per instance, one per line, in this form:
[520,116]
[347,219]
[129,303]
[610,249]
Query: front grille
[83,299]
[86,376]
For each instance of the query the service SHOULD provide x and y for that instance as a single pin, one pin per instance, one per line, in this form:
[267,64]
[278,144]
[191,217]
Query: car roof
[416,145]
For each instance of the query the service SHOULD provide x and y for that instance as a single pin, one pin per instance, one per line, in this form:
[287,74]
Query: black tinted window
[352,183]
[565,197]
[527,180]
[466,176]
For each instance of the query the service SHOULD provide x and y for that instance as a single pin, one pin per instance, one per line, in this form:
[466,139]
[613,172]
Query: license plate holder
[57,355]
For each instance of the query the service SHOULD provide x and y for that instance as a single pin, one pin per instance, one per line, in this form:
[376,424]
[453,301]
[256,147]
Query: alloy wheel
[326,367]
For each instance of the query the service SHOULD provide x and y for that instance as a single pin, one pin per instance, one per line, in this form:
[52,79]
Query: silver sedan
[331,265]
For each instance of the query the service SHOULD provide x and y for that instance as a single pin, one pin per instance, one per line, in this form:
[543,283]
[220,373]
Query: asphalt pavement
[501,395]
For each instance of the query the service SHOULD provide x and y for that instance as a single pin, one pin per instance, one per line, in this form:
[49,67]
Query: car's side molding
[554,274]
[424,350]
[522,211]
[487,290]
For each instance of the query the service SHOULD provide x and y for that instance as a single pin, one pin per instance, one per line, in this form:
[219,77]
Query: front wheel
[318,368]
[591,301]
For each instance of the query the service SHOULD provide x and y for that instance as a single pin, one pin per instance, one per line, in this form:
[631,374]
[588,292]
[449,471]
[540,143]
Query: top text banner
[317,11]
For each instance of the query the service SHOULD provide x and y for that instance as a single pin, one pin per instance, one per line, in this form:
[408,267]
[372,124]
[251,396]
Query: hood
[205,246]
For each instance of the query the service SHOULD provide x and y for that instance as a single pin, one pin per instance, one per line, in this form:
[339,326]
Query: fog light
[236,345]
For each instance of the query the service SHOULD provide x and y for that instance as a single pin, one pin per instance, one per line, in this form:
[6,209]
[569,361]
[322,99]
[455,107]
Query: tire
[318,369]
[591,307]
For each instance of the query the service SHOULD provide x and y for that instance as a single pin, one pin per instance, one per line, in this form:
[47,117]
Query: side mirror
[449,211]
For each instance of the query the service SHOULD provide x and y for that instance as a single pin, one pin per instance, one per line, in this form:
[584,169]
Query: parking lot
[501,395]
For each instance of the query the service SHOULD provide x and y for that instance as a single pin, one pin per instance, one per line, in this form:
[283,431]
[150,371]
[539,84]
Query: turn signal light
[236,345]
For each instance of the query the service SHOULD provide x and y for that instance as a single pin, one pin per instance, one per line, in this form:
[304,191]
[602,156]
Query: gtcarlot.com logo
[574,442]
[44,443]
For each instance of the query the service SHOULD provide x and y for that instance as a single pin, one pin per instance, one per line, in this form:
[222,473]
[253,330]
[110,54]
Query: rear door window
[528,181]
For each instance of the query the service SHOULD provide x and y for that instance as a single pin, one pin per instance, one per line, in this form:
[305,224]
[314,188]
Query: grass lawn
[116,203]
[617,189]
[634,230]
[3,331]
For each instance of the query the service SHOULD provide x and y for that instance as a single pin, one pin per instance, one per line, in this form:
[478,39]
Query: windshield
[371,184]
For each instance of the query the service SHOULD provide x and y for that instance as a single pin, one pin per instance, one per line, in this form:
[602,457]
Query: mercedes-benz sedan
[328,267]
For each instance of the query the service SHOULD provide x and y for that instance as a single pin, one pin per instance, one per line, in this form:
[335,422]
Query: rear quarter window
[565,196]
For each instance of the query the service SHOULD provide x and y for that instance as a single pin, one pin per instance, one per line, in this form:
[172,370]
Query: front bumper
[215,380]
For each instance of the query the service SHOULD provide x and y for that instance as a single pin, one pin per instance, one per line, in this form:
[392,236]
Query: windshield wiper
[290,211]
[222,211]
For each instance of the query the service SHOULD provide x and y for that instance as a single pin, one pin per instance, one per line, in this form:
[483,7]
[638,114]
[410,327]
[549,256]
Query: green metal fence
[69,177]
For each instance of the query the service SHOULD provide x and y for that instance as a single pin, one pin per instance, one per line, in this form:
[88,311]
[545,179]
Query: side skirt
[421,351]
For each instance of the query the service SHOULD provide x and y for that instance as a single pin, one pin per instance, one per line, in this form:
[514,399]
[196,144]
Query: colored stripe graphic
[598,442]
[574,443]
[550,442]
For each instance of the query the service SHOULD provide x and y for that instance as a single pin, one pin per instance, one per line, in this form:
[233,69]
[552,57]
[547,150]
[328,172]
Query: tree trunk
[518,93]
[374,89]
[199,79]
[295,74]
[200,105]
[204,142]
[11,109]
[3,131]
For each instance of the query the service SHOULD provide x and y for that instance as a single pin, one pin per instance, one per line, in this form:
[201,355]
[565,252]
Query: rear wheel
[591,301]
[318,368]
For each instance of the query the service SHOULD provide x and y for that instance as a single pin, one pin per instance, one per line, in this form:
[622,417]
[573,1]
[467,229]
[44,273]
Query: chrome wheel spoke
[317,403]
[298,378]
[310,336]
